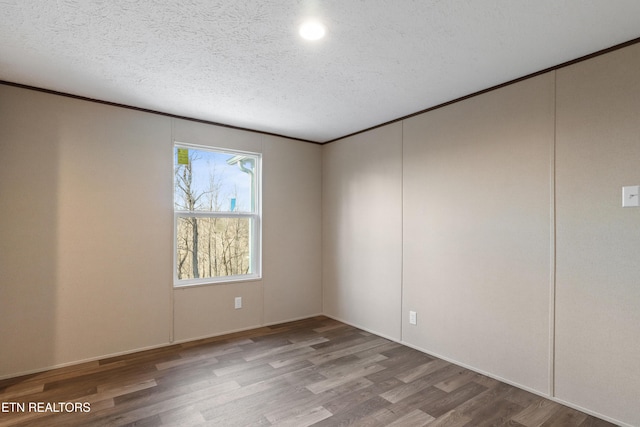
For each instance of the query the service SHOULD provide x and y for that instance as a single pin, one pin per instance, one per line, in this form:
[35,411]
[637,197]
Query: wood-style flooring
[316,372]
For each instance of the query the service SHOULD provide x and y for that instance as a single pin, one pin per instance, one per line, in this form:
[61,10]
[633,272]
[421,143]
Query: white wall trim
[204,337]
[471,368]
[495,377]
[81,361]
[590,412]
[153,347]
[363,328]
[295,319]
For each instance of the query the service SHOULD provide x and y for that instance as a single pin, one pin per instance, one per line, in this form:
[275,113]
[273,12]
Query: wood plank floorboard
[313,372]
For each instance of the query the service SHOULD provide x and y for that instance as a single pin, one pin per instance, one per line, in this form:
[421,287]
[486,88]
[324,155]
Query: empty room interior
[423,205]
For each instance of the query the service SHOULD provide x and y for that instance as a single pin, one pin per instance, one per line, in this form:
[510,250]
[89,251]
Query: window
[216,215]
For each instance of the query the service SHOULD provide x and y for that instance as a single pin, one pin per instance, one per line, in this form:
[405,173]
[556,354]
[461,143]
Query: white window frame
[256,222]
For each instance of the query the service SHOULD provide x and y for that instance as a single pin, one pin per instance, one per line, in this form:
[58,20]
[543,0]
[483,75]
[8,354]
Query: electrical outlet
[413,318]
[631,196]
[238,302]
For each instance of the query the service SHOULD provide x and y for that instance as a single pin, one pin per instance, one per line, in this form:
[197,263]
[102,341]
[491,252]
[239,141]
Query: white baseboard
[425,351]
[489,374]
[295,319]
[81,361]
[136,350]
[364,328]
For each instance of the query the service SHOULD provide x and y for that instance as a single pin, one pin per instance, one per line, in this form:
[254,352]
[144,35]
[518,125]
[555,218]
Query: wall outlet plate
[413,318]
[238,302]
[631,196]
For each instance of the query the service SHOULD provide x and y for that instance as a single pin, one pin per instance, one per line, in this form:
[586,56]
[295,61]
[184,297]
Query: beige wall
[476,248]
[85,261]
[86,237]
[362,230]
[290,287]
[516,253]
[598,241]
[203,311]
[292,272]
[452,213]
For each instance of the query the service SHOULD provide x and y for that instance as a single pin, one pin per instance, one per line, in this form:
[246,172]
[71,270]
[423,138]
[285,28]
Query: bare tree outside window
[215,199]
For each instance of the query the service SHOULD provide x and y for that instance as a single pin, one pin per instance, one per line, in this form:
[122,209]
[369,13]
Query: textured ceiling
[242,63]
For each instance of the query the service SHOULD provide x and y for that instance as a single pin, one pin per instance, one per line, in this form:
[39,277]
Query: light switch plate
[631,196]
[413,318]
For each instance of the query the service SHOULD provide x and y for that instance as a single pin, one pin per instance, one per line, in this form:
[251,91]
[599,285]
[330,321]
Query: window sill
[221,281]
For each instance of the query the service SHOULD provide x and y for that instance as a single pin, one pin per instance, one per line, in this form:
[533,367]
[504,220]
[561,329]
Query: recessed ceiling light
[312,30]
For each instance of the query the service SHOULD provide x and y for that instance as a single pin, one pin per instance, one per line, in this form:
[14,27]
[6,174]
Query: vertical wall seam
[402,338]
[172,304]
[261,219]
[322,148]
[553,258]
